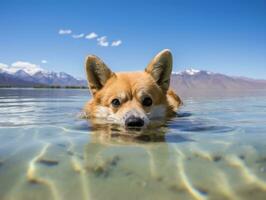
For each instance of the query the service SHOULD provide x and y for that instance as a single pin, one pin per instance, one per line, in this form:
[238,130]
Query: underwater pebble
[105,168]
[101,171]
[34,181]
[70,153]
[202,191]
[81,157]
[216,158]
[176,188]
[62,145]
[242,157]
[159,179]
[114,160]
[48,162]
[98,170]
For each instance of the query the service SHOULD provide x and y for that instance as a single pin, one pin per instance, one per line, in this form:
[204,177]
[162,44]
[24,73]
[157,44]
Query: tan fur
[130,88]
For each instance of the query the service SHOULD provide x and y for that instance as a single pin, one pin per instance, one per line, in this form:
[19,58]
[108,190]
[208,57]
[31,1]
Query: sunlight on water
[214,149]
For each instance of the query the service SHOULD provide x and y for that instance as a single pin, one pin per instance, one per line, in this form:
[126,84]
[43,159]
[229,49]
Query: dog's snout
[134,122]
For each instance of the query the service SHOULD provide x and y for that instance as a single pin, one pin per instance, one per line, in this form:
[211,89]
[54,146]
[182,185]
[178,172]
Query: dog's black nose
[134,122]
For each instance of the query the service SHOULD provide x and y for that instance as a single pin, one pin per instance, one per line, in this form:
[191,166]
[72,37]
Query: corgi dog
[133,99]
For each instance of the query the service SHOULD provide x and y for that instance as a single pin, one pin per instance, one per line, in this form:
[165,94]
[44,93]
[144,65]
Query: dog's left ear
[97,73]
[160,68]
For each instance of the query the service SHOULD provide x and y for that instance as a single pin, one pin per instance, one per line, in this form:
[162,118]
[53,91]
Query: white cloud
[3,66]
[44,61]
[116,43]
[28,67]
[64,32]
[102,41]
[92,35]
[78,36]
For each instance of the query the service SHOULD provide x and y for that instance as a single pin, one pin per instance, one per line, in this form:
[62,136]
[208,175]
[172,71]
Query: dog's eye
[116,103]
[147,101]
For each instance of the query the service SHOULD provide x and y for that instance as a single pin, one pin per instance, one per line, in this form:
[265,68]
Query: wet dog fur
[131,99]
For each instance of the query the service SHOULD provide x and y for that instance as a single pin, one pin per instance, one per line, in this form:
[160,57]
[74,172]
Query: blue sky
[227,36]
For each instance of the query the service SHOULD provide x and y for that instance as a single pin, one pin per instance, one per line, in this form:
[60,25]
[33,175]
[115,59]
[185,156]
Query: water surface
[214,149]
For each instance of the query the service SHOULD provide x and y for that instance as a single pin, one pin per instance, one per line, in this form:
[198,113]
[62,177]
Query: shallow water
[214,149]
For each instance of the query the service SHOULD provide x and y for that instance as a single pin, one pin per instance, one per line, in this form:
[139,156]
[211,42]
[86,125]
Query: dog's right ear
[160,68]
[97,73]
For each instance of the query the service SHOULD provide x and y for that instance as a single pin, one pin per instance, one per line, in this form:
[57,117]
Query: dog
[133,99]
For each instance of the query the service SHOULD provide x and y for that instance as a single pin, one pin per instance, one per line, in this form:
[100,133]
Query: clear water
[214,149]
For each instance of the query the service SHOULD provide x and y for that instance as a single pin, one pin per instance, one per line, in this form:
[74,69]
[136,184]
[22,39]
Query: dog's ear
[160,69]
[97,73]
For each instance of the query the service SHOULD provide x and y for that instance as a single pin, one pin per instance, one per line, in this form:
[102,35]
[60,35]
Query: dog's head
[131,99]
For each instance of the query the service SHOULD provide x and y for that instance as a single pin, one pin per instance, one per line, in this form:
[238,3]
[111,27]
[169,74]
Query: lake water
[214,149]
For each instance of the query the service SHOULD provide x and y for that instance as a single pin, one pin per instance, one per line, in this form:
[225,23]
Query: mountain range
[33,76]
[201,81]
[190,80]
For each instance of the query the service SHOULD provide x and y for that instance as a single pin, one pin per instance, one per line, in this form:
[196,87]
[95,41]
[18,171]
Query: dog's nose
[134,122]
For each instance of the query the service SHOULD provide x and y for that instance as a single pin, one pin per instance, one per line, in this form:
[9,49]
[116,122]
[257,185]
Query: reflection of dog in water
[134,100]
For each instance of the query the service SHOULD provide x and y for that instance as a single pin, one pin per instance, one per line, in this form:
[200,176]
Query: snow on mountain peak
[189,71]
[63,75]
[25,71]
[192,71]
[3,66]
[27,67]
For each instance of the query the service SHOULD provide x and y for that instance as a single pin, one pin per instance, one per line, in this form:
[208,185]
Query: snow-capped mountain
[200,81]
[35,75]
[187,81]
[191,72]
[61,78]
[21,66]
